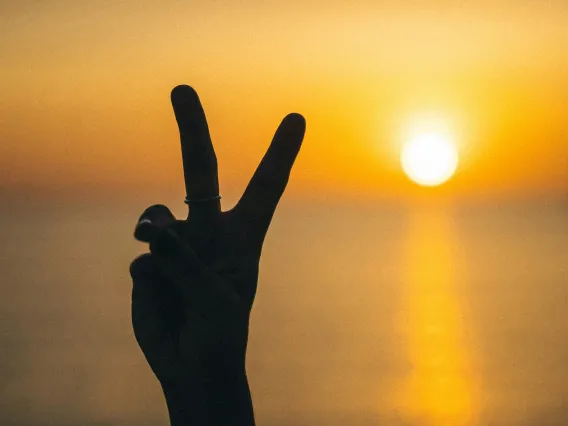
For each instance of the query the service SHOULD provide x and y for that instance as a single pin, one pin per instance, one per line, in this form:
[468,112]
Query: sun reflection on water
[439,389]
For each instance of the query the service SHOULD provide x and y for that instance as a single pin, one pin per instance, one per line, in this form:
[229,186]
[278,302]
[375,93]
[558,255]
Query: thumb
[152,221]
[180,262]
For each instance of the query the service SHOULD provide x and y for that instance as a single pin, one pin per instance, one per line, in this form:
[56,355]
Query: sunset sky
[85,91]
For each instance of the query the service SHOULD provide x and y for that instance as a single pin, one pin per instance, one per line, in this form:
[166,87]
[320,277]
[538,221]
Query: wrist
[218,399]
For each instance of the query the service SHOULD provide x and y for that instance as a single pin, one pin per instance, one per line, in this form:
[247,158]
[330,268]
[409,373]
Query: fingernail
[143,221]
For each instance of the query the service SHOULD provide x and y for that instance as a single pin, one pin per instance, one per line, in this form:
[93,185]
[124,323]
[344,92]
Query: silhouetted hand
[194,291]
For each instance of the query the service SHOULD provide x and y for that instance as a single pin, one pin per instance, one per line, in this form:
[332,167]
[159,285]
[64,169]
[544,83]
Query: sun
[429,159]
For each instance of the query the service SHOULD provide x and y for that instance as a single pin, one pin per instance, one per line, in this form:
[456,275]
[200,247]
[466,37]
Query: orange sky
[85,91]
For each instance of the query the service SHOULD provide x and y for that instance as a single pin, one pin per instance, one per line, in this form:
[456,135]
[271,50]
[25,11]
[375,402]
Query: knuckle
[142,265]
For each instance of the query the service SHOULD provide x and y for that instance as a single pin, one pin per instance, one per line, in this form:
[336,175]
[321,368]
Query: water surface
[366,315]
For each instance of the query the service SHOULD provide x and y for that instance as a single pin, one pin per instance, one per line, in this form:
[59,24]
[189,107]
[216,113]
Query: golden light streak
[439,389]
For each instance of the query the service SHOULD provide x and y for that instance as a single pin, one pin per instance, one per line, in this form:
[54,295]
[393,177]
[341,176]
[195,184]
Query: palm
[193,293]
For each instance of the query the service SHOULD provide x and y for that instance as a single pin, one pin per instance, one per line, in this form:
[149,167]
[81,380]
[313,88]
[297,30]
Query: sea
[378,314]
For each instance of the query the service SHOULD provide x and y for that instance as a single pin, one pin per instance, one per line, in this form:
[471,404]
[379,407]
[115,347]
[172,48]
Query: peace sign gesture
[194,291]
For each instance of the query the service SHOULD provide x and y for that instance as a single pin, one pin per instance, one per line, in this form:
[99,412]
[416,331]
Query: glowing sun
[429,159]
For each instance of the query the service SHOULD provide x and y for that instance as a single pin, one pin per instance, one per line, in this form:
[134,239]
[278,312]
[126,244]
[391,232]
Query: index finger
[271,177]
[199,160]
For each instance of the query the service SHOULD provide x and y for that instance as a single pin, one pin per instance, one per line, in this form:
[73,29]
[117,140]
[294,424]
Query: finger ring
[201,200]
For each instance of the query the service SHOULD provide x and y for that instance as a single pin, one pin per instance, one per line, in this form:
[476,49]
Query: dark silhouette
[194,291]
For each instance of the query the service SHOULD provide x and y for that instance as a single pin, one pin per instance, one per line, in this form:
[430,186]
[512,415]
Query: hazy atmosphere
[380,301]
